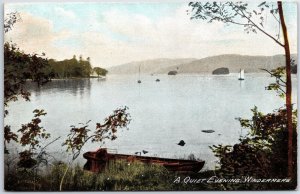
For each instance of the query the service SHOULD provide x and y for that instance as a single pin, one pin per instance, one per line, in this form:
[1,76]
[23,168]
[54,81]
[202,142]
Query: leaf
[262,25]
[261,4]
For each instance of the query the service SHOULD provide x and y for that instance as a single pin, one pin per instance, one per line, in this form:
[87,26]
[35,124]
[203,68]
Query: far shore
[191,73]
[74,78]
[160,74]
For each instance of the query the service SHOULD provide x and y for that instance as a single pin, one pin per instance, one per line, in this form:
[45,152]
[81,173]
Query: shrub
[262,153]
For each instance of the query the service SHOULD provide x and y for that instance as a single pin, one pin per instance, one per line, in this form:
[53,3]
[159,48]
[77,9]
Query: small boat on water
[97,161]
[157,80]
[139,81]
[208,131]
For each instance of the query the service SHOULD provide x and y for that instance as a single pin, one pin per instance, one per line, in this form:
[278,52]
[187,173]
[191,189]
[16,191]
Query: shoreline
[188,74]
[75,78]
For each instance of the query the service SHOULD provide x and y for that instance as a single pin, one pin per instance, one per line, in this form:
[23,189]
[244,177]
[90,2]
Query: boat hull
[97,161]
[195,166]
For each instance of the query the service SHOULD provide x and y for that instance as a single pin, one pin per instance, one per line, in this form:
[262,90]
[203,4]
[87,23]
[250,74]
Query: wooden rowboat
[96,161]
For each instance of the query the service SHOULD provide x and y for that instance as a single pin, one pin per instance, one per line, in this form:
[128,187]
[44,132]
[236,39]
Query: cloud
[118,36]
[36,35]
[64,13]
[177,36]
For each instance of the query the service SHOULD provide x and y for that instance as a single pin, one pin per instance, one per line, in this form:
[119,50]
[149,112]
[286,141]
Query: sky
[117,33]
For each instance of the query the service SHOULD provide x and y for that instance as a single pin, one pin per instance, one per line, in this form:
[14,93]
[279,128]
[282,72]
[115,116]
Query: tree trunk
[288,91]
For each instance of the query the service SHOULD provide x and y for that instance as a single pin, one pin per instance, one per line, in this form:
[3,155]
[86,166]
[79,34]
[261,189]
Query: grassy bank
[122,176]
[118,176]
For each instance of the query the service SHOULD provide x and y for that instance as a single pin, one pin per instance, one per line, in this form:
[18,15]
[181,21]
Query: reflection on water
[163,113]
[242,83]
[77,87]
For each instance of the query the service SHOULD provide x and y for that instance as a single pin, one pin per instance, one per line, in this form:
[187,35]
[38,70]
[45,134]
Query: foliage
[237,13]
[18,67]
[100,71]
[10,20]
[22,179]
[32,132]
[78,136]
[69,68]
[280,82]
[293,66]
[8,136]
[262,153]
[119,176]
[31,136]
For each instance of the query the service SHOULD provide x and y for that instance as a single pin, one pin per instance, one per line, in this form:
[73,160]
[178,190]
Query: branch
[272,74]
[275,18]
[254,24]
[267,71]
[226,20]
[76,154]
[278,24]
[272,12]
[282,90]
[237,23]
[282,85]
[49,144]
[51,156]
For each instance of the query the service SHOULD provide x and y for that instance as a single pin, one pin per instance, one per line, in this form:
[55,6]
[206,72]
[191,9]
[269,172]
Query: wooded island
[73,68]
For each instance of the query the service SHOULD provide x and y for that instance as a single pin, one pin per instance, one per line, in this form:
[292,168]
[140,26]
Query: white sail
[139,80]
[242,74]
[140,72]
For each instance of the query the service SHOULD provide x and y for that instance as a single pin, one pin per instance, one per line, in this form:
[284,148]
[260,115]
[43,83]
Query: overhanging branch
[254,24]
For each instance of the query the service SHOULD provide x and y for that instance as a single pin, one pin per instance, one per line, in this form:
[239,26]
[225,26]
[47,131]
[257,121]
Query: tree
[32,135]
[261,153]
[239,13]
[71,68]
[10,21]
[86,67]
[79,136]
[18,67]
[100,71]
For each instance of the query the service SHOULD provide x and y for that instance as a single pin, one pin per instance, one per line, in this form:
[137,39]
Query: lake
[163,113]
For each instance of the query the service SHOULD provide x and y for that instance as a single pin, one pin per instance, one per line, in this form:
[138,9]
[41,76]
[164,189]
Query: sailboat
[139,81]
[242,76]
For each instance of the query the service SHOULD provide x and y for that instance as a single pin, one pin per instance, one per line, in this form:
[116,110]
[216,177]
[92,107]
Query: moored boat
[208,131]
[96,161]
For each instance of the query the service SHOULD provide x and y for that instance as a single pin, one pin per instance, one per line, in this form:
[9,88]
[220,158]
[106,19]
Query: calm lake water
[163,113]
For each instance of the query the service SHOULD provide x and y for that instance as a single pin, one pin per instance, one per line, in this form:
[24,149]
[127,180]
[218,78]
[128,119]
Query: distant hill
[206,65]
[148,66]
